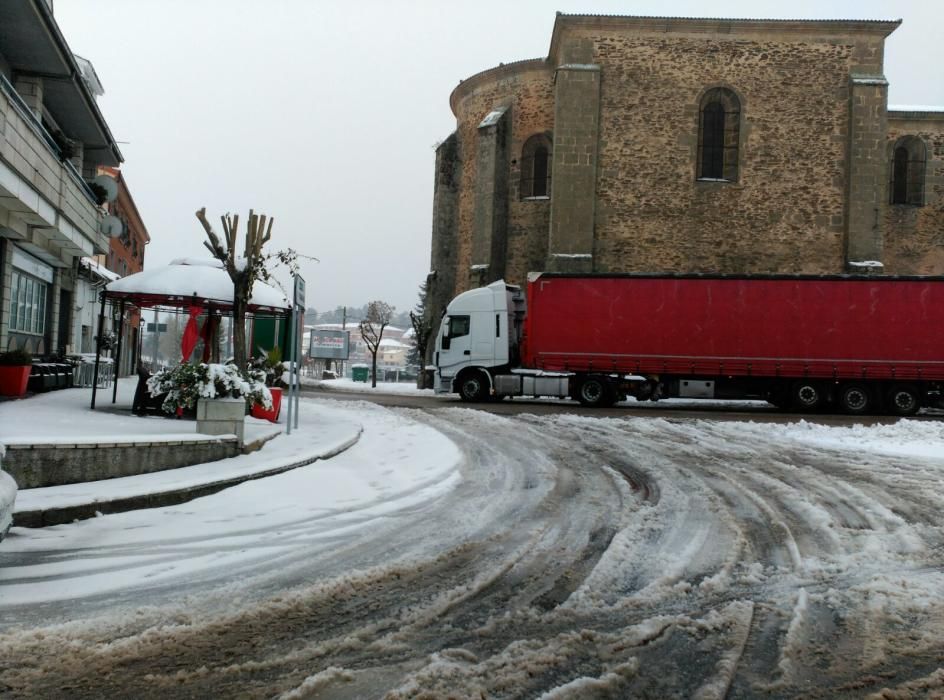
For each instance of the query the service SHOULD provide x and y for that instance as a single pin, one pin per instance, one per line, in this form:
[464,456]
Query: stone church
[651,144]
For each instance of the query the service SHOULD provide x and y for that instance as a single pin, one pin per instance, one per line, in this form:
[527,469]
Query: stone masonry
[619,98]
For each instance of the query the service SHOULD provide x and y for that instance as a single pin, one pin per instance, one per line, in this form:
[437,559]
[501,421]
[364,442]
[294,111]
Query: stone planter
[222,417]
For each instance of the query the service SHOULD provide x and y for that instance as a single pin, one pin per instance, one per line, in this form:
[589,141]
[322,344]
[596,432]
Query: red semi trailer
[863,344]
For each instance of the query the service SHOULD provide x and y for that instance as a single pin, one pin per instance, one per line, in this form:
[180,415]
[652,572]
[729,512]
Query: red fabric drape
[191,334]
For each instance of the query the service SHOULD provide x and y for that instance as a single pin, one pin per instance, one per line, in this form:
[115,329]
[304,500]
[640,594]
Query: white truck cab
[480,333]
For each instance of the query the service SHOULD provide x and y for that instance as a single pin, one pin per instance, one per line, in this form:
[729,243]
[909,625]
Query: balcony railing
[16,101]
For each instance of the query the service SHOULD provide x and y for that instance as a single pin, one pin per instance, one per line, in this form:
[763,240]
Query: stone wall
[619,98]
[526,91]
[441,281]
[914,235]
[35,466]
[785,212]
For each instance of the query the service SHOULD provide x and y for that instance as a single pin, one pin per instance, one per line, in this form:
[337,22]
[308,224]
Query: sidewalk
[63,417]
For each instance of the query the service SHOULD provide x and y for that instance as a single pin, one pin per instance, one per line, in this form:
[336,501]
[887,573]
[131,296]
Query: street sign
[299,292]
[159,327]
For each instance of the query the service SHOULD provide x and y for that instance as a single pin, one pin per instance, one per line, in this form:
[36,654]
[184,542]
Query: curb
[68,514]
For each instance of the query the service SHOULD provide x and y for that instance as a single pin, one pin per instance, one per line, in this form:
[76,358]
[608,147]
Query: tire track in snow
[577,557]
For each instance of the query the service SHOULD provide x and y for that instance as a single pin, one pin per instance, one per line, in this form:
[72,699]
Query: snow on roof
[180,279]
[391,343]
[198,262]
[97,268]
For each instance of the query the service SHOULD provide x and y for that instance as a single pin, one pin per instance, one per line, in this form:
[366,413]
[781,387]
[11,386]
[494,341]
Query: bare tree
[372,327]
[243,269]
[422,329]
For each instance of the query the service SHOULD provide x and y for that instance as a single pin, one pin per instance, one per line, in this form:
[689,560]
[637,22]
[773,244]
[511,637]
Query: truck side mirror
[446,342]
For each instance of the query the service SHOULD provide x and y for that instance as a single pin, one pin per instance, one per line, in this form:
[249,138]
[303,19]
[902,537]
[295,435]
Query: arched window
[907,171]
[536,167]
[719,133]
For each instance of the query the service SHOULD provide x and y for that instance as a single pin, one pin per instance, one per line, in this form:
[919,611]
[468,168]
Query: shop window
[27,304]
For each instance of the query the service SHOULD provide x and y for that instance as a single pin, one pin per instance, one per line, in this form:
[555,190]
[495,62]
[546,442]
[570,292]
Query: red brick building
[126,257]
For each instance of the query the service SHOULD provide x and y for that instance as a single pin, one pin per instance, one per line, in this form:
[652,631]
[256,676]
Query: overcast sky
[325,115]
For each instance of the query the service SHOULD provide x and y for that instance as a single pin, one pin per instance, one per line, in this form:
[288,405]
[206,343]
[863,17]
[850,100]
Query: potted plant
[271,364]
[218,392]
[15,366]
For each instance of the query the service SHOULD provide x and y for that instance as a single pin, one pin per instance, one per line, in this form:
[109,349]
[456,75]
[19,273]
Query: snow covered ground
[409,389]
[457,552]
[64,417]
[234,526]
[349,385]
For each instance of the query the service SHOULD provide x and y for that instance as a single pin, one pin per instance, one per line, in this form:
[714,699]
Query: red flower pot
[258,411]
[13,379]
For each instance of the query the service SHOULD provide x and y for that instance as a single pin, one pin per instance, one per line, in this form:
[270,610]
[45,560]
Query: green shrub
[15,358]
[186,384]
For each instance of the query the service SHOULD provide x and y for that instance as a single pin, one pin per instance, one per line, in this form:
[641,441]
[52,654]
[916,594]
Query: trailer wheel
[473,387]
[855,399]
[807,396]
[596,391]
[904,400]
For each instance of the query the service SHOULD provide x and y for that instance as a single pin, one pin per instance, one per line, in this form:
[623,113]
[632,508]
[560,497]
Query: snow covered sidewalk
[63,417]
[396,464]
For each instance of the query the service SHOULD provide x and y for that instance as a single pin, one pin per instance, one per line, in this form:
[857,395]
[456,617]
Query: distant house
[391,356]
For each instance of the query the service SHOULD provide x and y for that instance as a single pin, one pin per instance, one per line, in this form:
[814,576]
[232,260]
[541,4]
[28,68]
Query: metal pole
[343,328]
[121,329]
[98,349]
[298,347]
[157,333]
[291,374]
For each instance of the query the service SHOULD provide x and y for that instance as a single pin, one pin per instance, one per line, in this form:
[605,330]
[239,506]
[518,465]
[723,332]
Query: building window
[719,133]
[536,167]
[27,304]
[908,165]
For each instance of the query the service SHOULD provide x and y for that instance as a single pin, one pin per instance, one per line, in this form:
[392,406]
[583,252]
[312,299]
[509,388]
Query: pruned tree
[376,319]
[422,329]
[245,269]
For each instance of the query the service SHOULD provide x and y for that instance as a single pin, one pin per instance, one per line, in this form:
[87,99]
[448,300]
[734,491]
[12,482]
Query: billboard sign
[330,345]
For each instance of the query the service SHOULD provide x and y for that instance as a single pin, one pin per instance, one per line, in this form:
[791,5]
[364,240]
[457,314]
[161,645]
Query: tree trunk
[421,375]
[373,370]
[239,331]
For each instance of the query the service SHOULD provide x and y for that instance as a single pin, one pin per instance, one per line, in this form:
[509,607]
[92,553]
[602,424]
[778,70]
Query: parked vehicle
[863,344]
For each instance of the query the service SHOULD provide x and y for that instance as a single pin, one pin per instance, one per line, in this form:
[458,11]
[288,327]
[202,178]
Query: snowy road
[567,557]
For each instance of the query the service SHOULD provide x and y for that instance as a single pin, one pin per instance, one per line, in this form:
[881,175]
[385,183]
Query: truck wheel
[473,387]
[807,396]
[855,399]
[595,391]
[904,400]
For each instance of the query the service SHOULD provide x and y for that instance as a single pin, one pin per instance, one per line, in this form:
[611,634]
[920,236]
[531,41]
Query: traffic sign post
[294,380]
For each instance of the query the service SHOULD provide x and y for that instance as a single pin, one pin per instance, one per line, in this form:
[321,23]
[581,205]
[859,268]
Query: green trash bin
[360,373]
